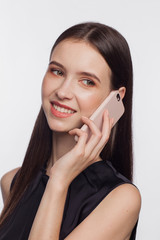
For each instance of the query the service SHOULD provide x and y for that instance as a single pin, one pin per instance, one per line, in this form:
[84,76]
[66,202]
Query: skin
[66,83]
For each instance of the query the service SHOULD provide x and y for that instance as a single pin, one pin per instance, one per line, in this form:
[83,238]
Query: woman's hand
[84,153]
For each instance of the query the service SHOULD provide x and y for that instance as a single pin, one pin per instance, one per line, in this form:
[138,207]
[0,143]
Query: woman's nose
[65,90]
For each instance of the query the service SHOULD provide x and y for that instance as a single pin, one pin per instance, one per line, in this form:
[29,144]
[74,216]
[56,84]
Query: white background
[28,29]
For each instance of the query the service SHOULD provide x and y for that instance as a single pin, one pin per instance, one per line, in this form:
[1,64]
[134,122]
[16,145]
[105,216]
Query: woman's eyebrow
[57,64]
[90,75]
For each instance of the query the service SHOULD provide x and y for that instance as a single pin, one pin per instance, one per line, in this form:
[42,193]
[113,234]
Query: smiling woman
[71,84]
[64,188]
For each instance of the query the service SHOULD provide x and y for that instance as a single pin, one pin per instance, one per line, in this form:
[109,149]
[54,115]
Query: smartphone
[115,107]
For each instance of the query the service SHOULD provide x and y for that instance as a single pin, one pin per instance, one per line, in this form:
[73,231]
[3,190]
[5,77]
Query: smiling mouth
[61,109]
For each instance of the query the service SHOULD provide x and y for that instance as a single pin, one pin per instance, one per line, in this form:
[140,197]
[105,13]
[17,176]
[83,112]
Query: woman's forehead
[80,55]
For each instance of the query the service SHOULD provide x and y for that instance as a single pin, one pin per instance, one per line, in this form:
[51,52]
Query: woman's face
[76,82]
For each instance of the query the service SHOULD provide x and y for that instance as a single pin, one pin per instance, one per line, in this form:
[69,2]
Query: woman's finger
[106,130]
[95,135]
[92,126]
[107,124]
[81,141]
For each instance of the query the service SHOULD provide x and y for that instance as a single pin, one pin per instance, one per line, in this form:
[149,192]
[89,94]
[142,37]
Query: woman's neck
[62,143]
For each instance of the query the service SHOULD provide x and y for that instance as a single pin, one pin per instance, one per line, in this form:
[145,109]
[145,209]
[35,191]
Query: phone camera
[118,97]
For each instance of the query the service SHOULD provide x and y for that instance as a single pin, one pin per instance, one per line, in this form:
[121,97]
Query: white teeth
[61,109]
[55,106]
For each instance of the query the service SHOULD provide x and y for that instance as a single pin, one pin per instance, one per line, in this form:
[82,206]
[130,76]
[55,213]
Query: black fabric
[85,192]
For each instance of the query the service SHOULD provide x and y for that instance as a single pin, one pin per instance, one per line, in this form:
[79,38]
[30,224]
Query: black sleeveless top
[85,192]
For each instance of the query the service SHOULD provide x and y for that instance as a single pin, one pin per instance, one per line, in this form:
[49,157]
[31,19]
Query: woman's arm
[49,216]
[111,217]
[48,219]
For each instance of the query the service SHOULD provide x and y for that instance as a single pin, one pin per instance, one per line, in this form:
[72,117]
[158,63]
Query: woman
[77,190]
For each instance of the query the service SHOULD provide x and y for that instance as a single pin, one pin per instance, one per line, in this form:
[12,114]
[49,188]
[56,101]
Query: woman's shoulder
[128,194]
[124,201]
[6,181]
[119,211]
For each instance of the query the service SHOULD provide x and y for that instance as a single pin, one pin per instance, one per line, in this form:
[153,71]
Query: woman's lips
[60,110]
[62,105]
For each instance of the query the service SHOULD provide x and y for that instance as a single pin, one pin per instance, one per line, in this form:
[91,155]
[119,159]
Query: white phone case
[115,108]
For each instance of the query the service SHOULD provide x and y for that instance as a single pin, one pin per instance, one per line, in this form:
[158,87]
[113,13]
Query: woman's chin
[60,128]
[63,127]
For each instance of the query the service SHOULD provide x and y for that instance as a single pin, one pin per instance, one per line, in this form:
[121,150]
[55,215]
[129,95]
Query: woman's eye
[57,72]
[88,82]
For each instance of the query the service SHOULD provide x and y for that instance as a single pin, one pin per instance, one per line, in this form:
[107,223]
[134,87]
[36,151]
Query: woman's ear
[122,91]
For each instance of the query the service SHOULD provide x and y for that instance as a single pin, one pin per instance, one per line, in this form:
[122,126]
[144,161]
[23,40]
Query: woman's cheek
[46,87]
[89,105]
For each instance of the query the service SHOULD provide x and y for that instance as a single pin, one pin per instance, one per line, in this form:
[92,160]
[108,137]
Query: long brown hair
[114,48]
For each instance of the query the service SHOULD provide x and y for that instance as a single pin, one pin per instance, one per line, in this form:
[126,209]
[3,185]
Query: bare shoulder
[6,182]
[127,194]
[124,201]
[126,198]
